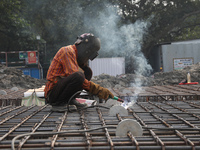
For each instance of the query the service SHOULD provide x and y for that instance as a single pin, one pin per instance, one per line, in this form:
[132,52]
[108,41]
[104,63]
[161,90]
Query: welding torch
[118,99]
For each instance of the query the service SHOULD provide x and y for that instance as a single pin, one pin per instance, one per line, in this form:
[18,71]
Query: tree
[59,23]
[14,29]
[172,19]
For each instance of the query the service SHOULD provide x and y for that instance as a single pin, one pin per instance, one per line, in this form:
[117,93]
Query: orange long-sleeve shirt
[63,64]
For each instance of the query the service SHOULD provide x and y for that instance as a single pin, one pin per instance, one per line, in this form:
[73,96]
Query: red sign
[32,57]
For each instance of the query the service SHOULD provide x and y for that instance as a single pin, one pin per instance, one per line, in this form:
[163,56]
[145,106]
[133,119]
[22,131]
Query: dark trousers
[65,88]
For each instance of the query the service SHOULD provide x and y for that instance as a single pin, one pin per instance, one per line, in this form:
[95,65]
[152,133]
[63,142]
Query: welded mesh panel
[166,125]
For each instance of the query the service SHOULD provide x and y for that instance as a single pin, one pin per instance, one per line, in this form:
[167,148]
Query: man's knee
[79,76]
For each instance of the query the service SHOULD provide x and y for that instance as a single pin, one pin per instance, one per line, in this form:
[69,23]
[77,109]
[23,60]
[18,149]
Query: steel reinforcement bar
[166,125]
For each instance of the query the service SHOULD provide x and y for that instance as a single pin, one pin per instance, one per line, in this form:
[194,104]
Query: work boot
[63,108]
[78,104]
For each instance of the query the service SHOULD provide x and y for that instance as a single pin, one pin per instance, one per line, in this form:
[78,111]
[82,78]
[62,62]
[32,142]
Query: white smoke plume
[121,41]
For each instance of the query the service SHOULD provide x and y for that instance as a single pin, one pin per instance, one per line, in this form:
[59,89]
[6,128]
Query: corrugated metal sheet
[111,66]
[169,52]
[187,42]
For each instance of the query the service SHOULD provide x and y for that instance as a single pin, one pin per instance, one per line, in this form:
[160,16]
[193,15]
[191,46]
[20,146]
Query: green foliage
[189,34]
[14,29]
[172,19]
[59,22]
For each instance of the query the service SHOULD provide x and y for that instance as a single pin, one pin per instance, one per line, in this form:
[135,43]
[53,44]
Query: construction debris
[175,77]
[12,77]
[157,79]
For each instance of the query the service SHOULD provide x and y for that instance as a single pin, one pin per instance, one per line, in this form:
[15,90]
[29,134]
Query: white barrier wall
[111,66]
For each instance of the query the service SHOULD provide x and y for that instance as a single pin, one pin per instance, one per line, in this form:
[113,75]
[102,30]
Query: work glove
[101,92]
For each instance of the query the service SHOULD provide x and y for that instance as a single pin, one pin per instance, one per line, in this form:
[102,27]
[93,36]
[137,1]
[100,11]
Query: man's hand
[101,92]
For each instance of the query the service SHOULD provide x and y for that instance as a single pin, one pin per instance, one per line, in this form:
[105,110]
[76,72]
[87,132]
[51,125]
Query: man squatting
[69,73]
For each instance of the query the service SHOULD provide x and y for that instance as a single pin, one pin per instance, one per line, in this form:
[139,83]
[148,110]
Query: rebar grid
[163,115]
[12,97]
[160,93]
[153,93]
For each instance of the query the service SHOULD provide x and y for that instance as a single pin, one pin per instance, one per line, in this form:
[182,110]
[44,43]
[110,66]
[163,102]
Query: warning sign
[32,57]
[180,63]
[22,55]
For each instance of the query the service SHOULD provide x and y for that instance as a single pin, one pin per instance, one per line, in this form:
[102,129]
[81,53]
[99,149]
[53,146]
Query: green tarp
[33,100]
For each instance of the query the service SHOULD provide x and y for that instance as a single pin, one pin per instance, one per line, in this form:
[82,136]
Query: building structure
[167,57]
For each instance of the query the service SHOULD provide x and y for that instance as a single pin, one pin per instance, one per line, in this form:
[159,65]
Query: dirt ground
[12,77]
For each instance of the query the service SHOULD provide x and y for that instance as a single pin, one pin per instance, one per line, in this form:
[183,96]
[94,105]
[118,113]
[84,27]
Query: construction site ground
[168,114]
